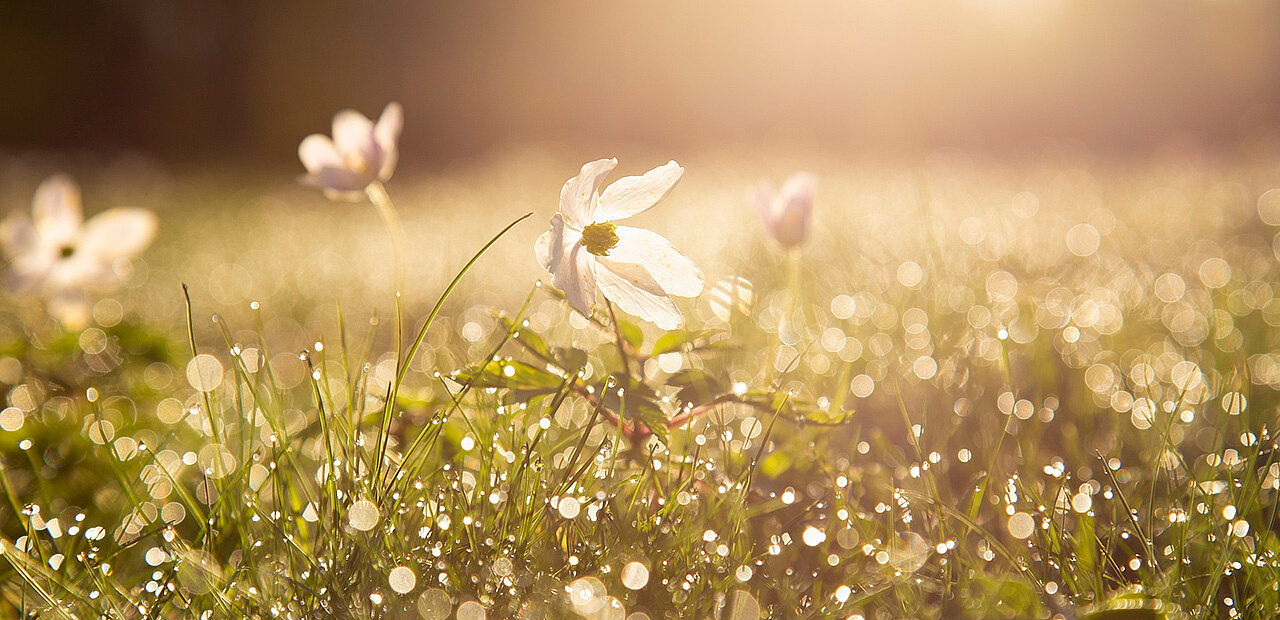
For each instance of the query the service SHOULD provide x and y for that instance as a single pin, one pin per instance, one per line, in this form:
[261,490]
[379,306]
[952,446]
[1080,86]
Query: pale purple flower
[788,213]
[637,269]
[360,152]
[55,255]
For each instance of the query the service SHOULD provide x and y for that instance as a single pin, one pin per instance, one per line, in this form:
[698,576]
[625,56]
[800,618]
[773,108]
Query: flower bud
[788,213]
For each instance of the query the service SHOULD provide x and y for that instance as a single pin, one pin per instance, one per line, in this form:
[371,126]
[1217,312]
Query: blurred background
[913,115]
[242,81]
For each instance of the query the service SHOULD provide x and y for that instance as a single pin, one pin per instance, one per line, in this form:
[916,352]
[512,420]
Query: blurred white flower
[787,213]
[359,153]
[637,269]
[56,255]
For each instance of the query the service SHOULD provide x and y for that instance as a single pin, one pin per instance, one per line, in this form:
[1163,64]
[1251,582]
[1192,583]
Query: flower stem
[622,350]
[378,196]
[792,320]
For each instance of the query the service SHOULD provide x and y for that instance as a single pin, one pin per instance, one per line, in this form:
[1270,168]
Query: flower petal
[29,259]
[317,152]
[17,235]
[674,272]
[80,272]
[636,293]
[794,213]
[762,196]
[576,280]
[117,233]
[352,132]
[631,195]
[56,210]
[800,188]
[390,123]
[337,183]
[387,133]
[559,252]
[579,194]
[550,245]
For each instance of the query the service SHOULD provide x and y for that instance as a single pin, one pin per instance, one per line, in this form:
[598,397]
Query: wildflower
[361,152]
[787,213]
[637,269]
[56,255]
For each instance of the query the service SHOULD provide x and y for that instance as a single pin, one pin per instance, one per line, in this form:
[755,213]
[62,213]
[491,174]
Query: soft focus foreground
[976,391]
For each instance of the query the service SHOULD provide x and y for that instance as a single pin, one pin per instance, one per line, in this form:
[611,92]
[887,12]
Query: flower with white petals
[788,213]
[56,255]
[360,152]
[637,269]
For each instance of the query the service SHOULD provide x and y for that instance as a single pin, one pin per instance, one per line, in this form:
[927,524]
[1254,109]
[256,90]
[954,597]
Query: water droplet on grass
[363,515]
[402,579]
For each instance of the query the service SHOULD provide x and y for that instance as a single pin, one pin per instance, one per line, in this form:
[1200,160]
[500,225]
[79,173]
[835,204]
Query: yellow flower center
[356,163]
[600,238]
[66,251]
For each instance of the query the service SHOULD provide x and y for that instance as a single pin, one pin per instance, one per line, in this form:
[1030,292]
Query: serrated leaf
[637,403]
[696,386]
[569,358]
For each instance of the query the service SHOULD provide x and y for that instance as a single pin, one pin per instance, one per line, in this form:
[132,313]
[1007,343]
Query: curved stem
[378,196]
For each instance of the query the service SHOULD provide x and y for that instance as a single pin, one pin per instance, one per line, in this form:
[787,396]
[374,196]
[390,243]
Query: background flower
[788,213]
[359,153]
[56,255]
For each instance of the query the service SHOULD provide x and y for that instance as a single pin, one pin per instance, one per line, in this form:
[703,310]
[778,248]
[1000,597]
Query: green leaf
[775,464]
[631,333]
[639,402]
[530,339]
[569,358]
[674,341]
[511,375]
[1086,550]
[696,386]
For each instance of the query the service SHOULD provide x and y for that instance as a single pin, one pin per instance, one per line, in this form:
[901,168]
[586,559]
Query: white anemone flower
[360,152]
[634,268]
[56,255]
[788,213]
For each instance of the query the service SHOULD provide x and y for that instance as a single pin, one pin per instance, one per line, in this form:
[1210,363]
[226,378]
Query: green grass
[990,406]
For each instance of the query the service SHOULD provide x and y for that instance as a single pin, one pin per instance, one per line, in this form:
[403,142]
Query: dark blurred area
[243,81]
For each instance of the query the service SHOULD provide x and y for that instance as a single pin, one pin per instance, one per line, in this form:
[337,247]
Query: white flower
[788,213]
[360,152]
[56,255]
[634,268]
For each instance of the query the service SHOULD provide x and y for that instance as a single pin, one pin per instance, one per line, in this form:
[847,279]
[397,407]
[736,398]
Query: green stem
[792,319]
[378,196]
[622,350]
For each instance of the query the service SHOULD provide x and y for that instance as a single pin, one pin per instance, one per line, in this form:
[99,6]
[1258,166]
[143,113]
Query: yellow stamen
[600,238]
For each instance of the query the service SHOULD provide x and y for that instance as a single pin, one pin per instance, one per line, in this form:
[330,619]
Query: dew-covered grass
[980,390]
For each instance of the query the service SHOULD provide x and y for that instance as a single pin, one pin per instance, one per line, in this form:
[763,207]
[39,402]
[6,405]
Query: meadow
[972,389]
